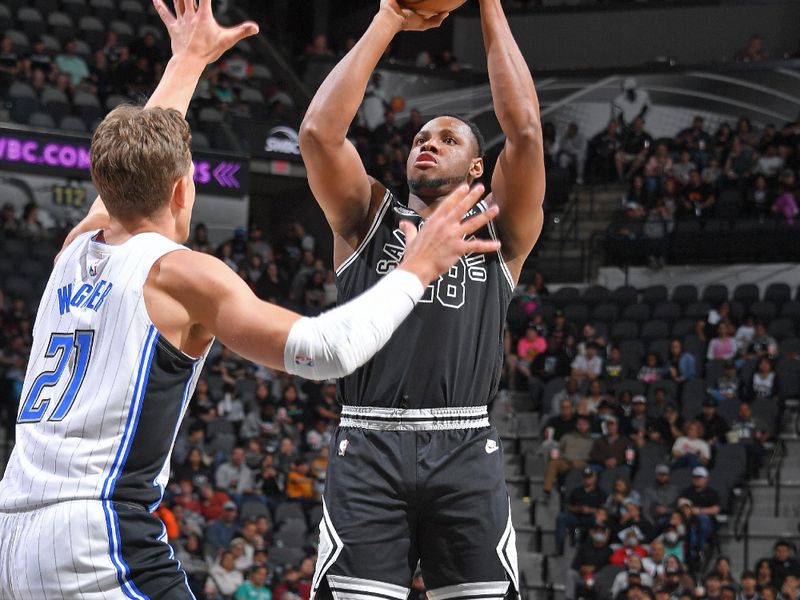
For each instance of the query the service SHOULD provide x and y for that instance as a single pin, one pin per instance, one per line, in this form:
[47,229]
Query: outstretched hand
[445,237]
[194,31]
[410,20]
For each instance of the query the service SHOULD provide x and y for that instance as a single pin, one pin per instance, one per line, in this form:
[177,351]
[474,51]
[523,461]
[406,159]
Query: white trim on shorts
[414,419]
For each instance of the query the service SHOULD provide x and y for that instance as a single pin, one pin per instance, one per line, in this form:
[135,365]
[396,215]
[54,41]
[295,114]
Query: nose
[429,146]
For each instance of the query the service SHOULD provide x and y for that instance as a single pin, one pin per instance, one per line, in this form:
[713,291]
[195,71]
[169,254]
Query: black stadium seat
[596,294]
[781,328]
[624,330]
[763,311]
[655,294]
[778,293]
[715,294]
[698,310]
[639,313]
[625,295]
[653,330]
[607,313]
[667,311]
[684,294]
[747,294]
[565,295]
[577,314]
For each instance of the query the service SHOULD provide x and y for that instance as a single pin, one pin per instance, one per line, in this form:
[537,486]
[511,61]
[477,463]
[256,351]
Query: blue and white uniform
[103,399]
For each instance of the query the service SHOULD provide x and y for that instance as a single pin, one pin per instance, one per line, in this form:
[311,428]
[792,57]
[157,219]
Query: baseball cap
[709,401]
[639,399]
[587,472]
[684,502]
[629,84]
[330,382]
[662,470]
[699,472]
[229,505]
[631,500]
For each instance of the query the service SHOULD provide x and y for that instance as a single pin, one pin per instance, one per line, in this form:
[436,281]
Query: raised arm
[197,40]
[335,171]
[519,179]
[199,293]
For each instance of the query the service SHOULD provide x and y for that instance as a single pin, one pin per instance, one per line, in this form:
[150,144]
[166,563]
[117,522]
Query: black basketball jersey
[449,351]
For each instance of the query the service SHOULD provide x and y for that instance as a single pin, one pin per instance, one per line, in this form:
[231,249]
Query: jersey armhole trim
[493,232]
[370,233]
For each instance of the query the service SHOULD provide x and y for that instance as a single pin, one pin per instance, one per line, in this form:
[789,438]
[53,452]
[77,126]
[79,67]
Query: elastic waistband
[414,419]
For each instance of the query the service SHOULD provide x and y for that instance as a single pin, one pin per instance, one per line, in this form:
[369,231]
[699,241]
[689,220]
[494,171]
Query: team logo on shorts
[343,447]
[491,446]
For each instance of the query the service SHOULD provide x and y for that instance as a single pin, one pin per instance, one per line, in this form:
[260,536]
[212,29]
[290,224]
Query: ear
[179,192]
[476,170]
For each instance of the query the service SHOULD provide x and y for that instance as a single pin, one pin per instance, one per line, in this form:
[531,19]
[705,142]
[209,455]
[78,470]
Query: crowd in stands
[647,435]
[66,73]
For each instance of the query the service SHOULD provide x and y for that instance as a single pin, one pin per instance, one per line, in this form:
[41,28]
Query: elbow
[309,131]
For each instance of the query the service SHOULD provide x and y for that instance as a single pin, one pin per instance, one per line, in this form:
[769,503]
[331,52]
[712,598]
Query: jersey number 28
[62,345]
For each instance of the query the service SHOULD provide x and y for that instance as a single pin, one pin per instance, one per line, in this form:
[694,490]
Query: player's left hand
[194,32]
[410,20]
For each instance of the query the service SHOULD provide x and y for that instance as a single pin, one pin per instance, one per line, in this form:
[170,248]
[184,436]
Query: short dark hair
[473,127]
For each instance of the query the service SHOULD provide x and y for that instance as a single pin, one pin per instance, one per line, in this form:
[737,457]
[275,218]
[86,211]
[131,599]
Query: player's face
[443,156]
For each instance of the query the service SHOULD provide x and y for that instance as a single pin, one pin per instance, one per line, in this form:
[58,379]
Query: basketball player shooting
[123,330]
[416,472]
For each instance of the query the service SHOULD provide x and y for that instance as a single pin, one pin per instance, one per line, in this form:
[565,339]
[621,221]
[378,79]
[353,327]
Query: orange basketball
[427,7]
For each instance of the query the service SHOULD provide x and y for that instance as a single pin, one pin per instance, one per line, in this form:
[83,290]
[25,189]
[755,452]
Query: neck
[425,206]
[120,231]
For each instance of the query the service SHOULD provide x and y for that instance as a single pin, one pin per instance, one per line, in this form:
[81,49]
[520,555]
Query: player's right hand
[445,236]
[194,32]
[410,20]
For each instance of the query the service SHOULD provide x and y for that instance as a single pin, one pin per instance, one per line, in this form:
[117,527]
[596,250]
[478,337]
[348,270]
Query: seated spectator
[749,585]
[589,405]
[220,532]
[234,476]
[631,517]
[713,586]
[682,169]
[751,433]
[764,384]
[785,205]
[194,468]
[759,199]
[582,503]
[697,141]
[681,366]
[608,451]
[658,225]
[690,450]
[10,63]
[764,577]
[572,153]
[722,346]
[728,386]
[658,169]
[741,162]
[630,158]
[698,198]
[190,555]
[589,365]
[299,485]
[632,540]
[556,427]
[614,371]
[634,570]
[655,563]
[704,505]
[528,348]
[712,173]
[570,392]
[659,498]
[73,65]
[213,502]
[722,568]
[752,51]
[770,164]
[573,452]
[636,424]
[650,371]
[714,426]
[593,554]
[223,577]
[292,583]
[602,151]
[255,588]
[621,492]
[673,538]
[745,334]
[762,344]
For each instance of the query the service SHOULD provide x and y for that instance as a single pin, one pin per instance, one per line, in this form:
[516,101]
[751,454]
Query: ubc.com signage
[68,156]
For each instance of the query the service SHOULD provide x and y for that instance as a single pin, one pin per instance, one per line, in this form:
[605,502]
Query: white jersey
[104,393]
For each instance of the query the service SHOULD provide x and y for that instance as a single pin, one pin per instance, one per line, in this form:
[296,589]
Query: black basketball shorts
[416,486]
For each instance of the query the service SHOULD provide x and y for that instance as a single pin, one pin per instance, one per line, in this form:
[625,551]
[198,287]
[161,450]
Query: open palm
[193,30]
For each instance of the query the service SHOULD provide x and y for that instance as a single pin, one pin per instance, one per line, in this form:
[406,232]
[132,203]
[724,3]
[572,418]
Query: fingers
[164,13]
[451,203]
[191,7]
[465,203]
[205,6]
[478,246]
[409,230]
[180,8]
[479,221]
[239,32]
[434,21]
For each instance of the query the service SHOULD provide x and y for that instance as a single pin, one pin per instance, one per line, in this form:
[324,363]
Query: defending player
[121,336]
[415,470]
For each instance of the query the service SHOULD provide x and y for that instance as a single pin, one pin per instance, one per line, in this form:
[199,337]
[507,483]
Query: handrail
[741,524]
[774,468]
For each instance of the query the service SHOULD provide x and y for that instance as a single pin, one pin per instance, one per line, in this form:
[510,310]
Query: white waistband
[414,419]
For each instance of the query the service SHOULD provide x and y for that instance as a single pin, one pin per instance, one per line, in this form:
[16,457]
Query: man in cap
[582,504]
[608,451]
[631,104]
[220,533]
[714,425]
[705,504]
[631,516]
[659,498]
[573,452]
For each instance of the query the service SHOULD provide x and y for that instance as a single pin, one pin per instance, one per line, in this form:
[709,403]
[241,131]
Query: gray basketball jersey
[449,351]
[104,393]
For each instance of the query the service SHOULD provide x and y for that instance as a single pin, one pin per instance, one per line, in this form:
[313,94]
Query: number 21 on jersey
[73,351]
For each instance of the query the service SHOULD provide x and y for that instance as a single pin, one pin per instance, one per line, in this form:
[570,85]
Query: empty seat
[73,123]
[660,347]
[562,297]
[698,310]
[133,12]
[634,386]
[596,294]
[210,115]
[114,100]
[56,103]
[43,120]
[667,311]
[31,21]
[624,330]
[577,314]
[261,73]
[694,345]
[19,40]
[6,19]
[746,293]
[781,328]
[75,8]
[715,294]
[791,310]
[155,31]
[632,354]
[606,313]
[639,313]
[103,9]
[23,101]
[92,31]
[88,106]
[778,293]
[123,30]
[655,294]
[624,295]
[83,50]
[684,294]
[653,330]
[788,372]
[61,26]
[715,368]
[763,311]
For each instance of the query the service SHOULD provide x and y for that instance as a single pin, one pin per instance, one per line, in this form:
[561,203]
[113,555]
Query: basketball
[432,7]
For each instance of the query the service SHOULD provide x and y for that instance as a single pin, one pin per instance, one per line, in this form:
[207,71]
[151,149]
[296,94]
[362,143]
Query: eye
[419,141]
[449,140]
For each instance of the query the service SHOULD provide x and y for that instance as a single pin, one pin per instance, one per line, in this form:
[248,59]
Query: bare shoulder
[192,275]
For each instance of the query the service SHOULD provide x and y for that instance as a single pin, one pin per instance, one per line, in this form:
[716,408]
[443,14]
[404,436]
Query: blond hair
[137,156]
